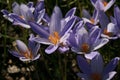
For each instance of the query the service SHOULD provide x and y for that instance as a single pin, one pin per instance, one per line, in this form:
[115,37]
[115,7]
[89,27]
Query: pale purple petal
[42,40]
[68,26]
[36,49]
[30,4]
[100,43]
[17,18]
[103,19]
[72,41]
[83,65]
[90,55]
[63,49]
[6,15]
[97,64]
[5,12]
[14,53]
[51,49]
[71,12]
[77,26]
[111,28]
[109,4]
[39,29]
[31,43]
[26,12]
[21,46]
[39,6]
[55,22]
[16,8]
[36,57]
[86,14]
[46,18]
[111,65]
[24,59]
[116,15]
[93,2]
[40,15]
[95,16]
[94,35]
[21,24]
[109,76]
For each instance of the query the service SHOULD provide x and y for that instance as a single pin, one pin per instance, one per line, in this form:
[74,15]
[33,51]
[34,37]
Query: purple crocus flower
[95,70]
[84,42]
[109,29]
[23,13]
[102,4]
[58,30]
[25,53]
[88,18]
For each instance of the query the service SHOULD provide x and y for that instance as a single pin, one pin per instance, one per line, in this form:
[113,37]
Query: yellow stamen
[105,3]
[54,38]
[27,54]
[85,47]
[22,17]
[92,20]
[95,76]
[107,33]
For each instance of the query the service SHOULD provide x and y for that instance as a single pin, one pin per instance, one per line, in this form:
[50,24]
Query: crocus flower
[95,70]
[102,4]
[58,30]
[23,13]
[109,29]
[84,42]
[25,53]
[88,18]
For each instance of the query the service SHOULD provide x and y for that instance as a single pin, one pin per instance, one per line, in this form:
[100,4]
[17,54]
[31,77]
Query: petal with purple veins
[100,43]
[111,65]
[97,64]
[51,49]
[55,22]
[68,26]
[83,65]
[71,12]
[39,29]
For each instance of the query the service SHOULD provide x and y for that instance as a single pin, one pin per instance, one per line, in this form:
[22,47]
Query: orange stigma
[105,3]
[92,20]
[107,33]
[95,76]
[27,54]
[85,47]
[55,38]
[22,17]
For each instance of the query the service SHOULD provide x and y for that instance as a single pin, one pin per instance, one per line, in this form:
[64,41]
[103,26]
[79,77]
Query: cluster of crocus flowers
[83,36]
[25,12]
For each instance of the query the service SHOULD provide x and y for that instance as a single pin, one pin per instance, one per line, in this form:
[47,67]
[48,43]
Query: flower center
[95,76]
[105,3]
[22,17]
[92,20]
[107,33]
[27,55]
[85,47]
[55,38]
